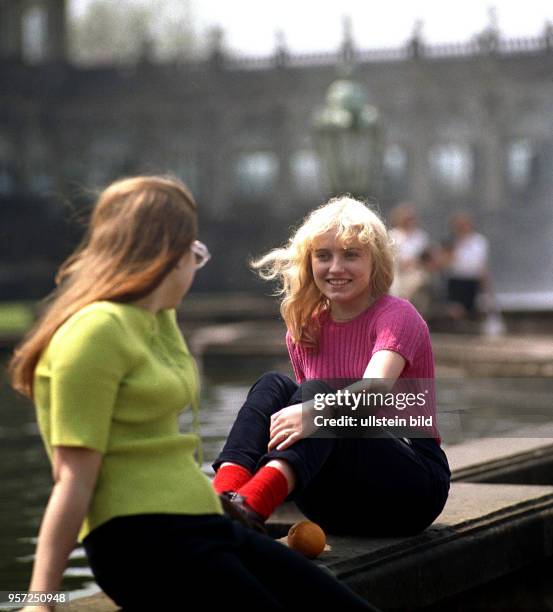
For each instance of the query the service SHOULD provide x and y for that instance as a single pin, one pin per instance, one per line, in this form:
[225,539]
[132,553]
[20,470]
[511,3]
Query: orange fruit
[307,538]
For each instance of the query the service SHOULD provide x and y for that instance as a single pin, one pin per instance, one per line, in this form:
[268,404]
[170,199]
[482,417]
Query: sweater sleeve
[401,329]
[88,361]
[295,358]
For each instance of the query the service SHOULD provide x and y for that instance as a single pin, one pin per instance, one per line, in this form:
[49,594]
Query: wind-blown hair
[302,302]
[139,229]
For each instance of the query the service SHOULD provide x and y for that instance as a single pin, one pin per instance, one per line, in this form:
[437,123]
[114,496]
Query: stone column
[493,144]
[492,106]
[494,188]
[215,162]
[418,168]
[283,149]
[57,31]
[11,39]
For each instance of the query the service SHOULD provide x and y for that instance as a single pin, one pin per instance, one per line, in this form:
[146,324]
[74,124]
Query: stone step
[99,602]
[484,532]
[476,516]
[526,458]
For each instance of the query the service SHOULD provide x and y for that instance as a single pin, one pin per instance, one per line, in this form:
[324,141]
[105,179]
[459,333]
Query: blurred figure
[427,290]
[466,260]
[412,276]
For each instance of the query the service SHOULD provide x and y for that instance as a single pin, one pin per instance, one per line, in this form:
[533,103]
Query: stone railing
[480,45]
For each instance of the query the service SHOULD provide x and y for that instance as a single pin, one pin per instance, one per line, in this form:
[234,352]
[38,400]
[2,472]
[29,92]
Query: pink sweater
[346,348]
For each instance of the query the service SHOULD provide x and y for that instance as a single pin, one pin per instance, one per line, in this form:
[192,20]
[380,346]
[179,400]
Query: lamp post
[348,139]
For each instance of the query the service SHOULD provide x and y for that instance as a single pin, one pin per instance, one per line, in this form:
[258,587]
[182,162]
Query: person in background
[412,250]
[466,264]
[109,372]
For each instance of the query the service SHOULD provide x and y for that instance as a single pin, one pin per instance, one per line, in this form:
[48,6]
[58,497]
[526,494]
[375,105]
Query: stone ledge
[490,530]
[525,459]
[99,602]
[484,532]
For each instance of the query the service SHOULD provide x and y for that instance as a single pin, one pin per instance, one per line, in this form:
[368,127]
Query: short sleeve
[87,362]
[401,329]
[295,359]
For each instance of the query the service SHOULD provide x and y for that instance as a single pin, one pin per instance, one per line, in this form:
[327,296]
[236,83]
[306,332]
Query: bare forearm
[60,526]
[327,401]
[379,377]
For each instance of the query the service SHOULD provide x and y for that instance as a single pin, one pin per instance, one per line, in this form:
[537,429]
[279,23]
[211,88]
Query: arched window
[520,158]
[452,166]
[35,34]
[395,162]
[306,171]
[256,173]
[396,179]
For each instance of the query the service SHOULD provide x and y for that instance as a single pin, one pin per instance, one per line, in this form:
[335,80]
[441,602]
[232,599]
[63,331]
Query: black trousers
[183,562]
[380,486]
[464,291]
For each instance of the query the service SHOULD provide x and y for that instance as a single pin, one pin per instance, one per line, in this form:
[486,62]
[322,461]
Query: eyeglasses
[201,254]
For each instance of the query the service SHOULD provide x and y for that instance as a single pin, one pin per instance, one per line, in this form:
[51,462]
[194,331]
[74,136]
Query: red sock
[231,478]
[265,491]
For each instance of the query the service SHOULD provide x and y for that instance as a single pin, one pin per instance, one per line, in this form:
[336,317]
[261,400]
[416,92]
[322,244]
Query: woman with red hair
[109,373]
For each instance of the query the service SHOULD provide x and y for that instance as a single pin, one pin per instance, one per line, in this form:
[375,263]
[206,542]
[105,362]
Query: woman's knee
[275,383]
[310,388]
[269,394]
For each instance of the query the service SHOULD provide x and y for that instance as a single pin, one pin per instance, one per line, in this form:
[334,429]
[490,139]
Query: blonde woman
[335,273]
[109,373]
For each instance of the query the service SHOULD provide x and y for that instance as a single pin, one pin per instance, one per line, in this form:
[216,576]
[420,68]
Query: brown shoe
[235,507]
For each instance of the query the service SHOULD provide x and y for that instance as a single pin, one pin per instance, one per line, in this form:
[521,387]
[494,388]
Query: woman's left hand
[290,425]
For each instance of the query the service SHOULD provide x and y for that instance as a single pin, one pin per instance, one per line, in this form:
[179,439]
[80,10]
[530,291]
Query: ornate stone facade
[467,126]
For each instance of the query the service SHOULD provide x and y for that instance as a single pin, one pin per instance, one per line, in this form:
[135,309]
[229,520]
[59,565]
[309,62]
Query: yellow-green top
[114,378]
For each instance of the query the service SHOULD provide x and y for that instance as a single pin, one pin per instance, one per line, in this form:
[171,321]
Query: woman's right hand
[290,425]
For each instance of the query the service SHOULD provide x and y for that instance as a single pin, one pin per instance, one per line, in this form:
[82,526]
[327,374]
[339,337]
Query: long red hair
[140,227]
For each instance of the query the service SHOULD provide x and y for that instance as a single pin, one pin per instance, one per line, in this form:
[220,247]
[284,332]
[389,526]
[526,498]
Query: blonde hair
[139,229]
[302,301]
